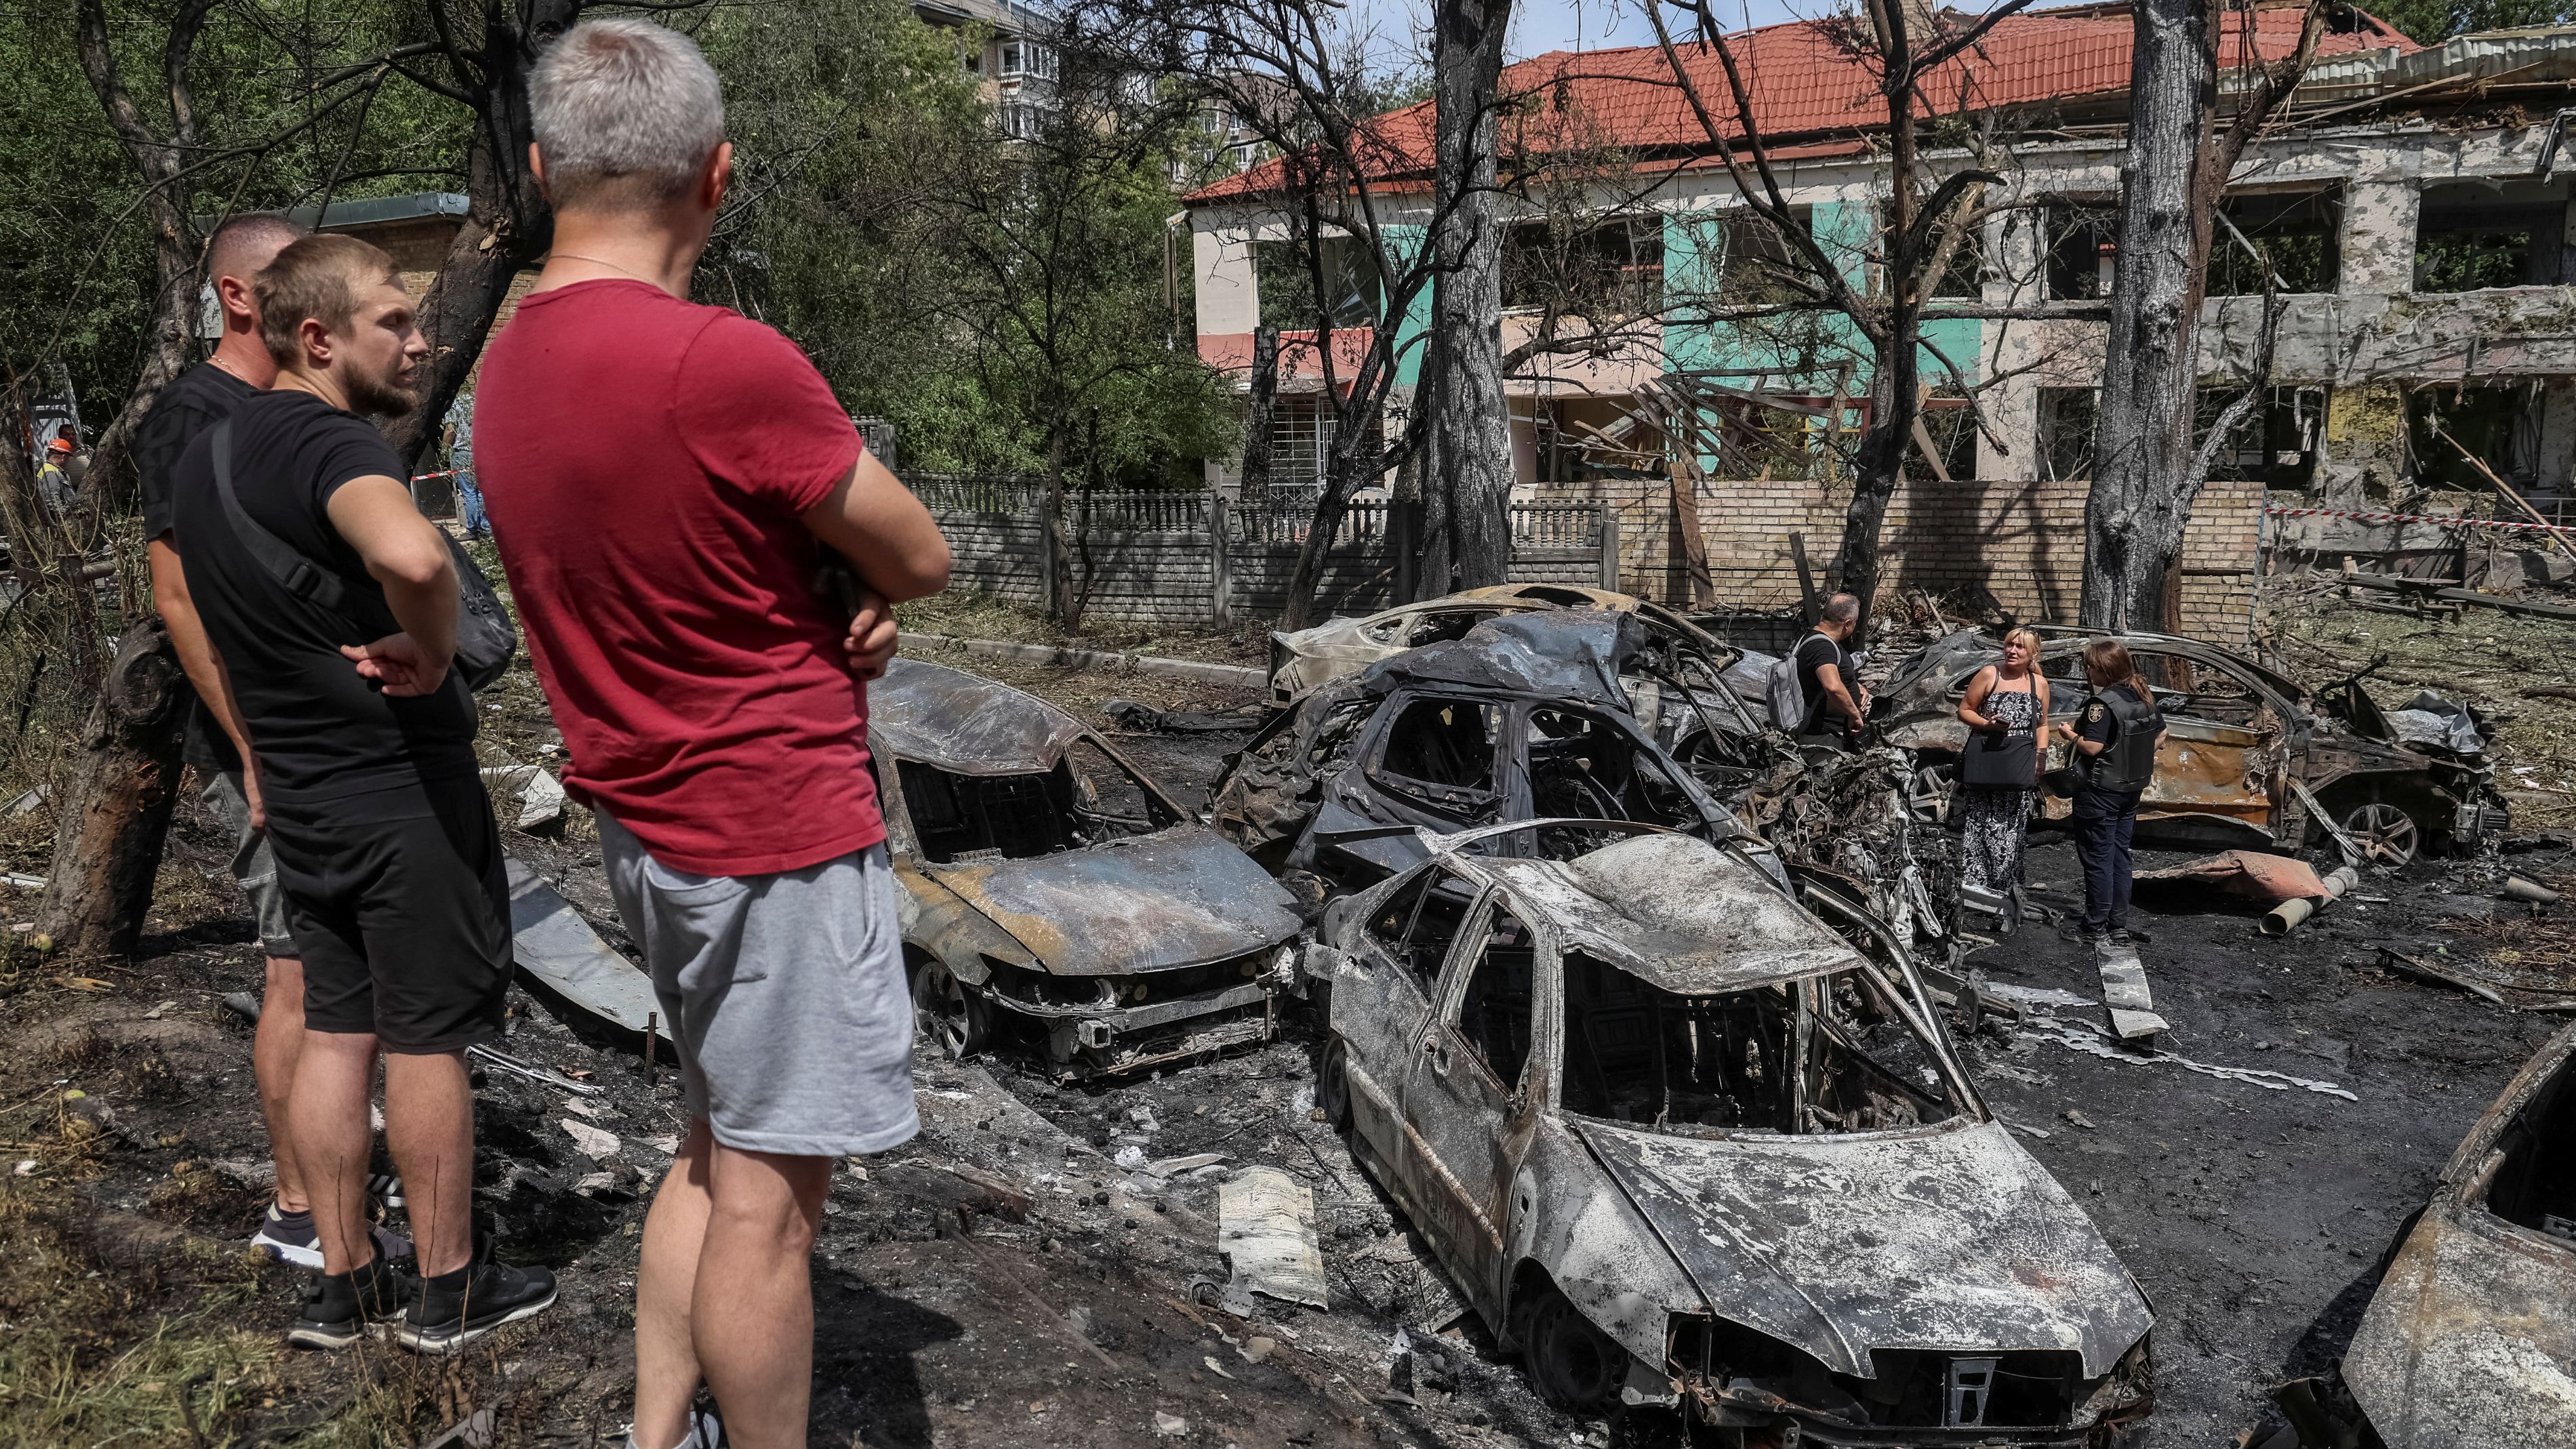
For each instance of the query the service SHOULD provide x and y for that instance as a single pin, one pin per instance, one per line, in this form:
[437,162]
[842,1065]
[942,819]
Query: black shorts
[402,911]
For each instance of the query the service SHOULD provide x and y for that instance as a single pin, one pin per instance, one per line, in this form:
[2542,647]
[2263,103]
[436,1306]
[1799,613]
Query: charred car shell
[2470,1342]
[2244,744]
[1526,716]
[1681,1144]
[1053,891]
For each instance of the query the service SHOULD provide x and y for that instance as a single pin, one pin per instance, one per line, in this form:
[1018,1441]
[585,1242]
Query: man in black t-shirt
[186,407]
[364,744]
[1827,680]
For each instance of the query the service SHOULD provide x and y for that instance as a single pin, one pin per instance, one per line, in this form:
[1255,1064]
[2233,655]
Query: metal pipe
[2288,915]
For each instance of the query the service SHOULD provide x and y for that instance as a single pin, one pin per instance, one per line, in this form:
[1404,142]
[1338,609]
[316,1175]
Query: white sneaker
[706,1431]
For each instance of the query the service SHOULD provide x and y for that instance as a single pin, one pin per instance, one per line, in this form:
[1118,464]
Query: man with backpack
[2115,738]
[1814,692]
[332,608]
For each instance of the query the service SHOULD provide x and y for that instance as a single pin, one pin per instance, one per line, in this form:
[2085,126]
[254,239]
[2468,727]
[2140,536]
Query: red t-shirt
[644,460]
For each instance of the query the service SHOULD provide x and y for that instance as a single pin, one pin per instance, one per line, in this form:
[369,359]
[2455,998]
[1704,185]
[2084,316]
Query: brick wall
[2022,542]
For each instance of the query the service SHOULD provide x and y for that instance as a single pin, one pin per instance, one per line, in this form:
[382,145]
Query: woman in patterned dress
[2005,698]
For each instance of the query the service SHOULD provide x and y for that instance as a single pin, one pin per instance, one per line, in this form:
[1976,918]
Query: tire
[1333,1086]
[1572,1364]
[945,1012]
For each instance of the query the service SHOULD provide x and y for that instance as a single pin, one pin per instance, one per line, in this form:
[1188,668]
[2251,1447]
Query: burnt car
[2246,751]
[1056,896]
[1674,674]
[2470,1342]
[1526,716]
[1682,1144]
[1537,714]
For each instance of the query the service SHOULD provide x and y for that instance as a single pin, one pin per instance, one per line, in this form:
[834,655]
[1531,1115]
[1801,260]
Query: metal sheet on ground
[2125,995]
[559,948]
[1266,1230]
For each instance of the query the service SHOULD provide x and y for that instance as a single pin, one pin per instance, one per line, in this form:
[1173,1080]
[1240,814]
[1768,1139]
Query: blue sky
[1545,25]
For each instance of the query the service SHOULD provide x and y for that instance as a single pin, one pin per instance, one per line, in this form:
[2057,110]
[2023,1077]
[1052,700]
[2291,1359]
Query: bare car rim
[1928,793]
[2385,833]
[1333,1087]
[1575,1365]
[944,1012]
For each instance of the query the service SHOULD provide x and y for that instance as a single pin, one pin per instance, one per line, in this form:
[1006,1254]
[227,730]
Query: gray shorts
[785,993]
[254,863]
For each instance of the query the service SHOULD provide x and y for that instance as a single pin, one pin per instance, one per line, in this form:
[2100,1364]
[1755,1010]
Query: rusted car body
[2242,741]
[2470,1342]
[1681,1144]
[1055,894]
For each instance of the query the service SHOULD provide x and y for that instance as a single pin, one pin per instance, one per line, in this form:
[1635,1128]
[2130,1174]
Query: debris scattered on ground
[2125,997]
[560,950]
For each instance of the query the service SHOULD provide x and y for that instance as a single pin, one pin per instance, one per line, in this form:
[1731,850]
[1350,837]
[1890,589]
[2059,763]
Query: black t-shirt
[326,742]
[1813,653]
[192,403]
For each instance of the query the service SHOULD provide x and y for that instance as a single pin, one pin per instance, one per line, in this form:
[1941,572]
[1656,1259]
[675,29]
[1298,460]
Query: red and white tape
[450,473]
[2444,522]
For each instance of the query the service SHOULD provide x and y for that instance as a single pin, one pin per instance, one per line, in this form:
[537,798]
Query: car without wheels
[1681,1143]
[1054,895]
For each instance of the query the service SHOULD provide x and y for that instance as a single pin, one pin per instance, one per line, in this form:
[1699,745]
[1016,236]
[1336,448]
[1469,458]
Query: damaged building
[2411,204]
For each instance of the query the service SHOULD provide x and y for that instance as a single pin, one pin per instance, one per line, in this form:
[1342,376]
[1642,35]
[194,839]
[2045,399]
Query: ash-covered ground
[1001,1281]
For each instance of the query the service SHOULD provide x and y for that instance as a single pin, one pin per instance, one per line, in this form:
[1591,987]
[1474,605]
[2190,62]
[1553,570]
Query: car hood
[1948,1237]
[1177,897]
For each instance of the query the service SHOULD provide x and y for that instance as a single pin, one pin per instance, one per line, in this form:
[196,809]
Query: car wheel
[1333,1086]
[1929,791]
[947,1013]
[2385,833]
[1573,1364]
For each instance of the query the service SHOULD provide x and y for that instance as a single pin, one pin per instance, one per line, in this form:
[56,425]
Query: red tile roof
[1804,86]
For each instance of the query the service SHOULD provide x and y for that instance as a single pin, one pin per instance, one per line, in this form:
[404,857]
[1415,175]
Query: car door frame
[1378,1047]
[1451,1095]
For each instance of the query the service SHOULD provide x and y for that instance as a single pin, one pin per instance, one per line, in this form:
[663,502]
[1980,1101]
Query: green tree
[2430,22]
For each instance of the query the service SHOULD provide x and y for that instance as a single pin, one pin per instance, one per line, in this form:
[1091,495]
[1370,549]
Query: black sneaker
[2077,931]
[292,1238]
[2127,936]
[454,1309]
[345,1307]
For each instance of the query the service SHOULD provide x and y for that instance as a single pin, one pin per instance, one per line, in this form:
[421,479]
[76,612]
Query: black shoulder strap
[300,576]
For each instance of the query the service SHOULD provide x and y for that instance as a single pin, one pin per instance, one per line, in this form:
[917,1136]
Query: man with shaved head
[217,745]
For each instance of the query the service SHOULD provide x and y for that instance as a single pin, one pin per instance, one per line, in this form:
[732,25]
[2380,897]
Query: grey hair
[625,112]
[1840,609]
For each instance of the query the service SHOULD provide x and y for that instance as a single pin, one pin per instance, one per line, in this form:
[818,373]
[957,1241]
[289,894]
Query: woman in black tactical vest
[2115,739]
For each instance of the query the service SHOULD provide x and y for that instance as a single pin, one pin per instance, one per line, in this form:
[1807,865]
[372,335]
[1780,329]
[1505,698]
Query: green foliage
[990,295]
[2431,22]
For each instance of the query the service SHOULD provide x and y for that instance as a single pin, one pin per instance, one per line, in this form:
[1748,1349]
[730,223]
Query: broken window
[1808,1056]
[1753,258]
[2275,443]
[2293,234]
[2066,418]
[1087,799]
[2534,1176]
[1416,924]
[2082,237]
[1951,424]
[1585,767]
[1284,283]
[1614,268]
[1448,743]
[2472,237]
[1432,626]
[2499,426]
[1494,1015]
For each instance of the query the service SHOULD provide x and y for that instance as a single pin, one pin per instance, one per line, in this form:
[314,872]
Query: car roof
[1672,910]
[965,724]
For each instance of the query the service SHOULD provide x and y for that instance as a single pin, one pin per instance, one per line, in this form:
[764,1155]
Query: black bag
[486,639]
[2001,761]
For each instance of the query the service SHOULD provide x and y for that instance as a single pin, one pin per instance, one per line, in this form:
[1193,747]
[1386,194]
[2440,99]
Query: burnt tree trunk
[1467,474]
[1253,488]
[116,803]
[508,224]
[2145,476]
[2142,440]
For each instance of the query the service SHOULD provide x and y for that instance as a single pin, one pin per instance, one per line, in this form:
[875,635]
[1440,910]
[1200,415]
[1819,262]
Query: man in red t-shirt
[662,479]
